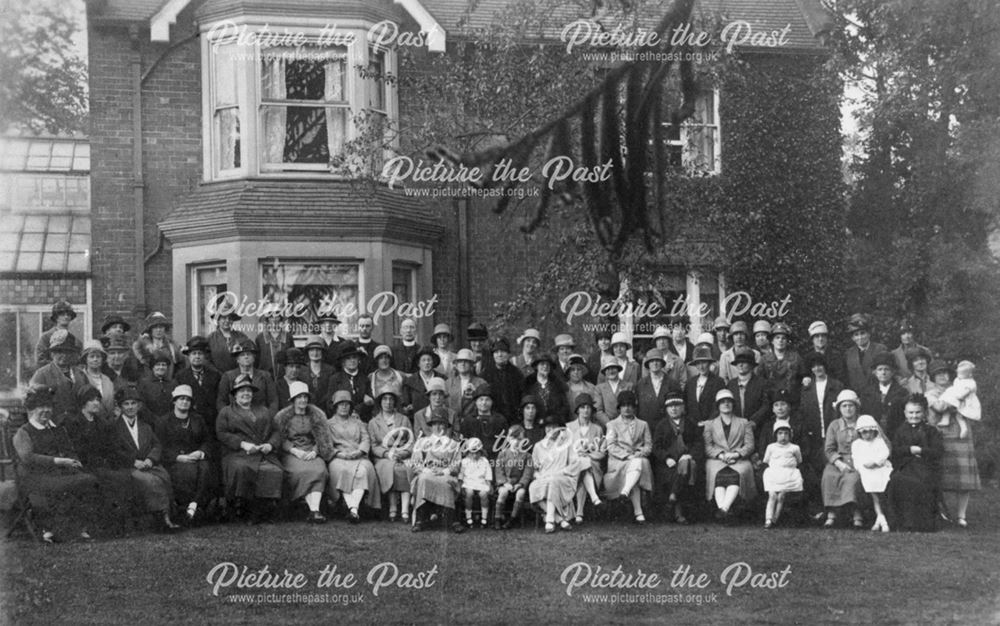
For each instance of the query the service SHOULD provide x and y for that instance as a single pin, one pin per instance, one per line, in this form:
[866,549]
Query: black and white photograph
[499,311]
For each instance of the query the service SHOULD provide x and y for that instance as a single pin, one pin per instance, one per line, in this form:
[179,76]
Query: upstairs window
[696,146]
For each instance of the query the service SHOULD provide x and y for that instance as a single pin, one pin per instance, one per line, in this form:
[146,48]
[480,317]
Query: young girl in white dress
[871,458]
[782,474]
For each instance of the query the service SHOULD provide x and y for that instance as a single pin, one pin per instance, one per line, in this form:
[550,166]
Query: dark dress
[192,481]
[249,475]
[155,393]
[913,486]
[153,483]
[552,397]
[506,386]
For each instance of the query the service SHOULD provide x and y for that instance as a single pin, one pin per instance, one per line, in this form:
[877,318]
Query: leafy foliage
[42,79]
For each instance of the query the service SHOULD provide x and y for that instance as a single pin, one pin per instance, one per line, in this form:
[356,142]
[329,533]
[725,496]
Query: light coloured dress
[588,441]
[782,473]
[388,433]
[475,474]
[874,480]
[435,464]
[557,470]
[350,436]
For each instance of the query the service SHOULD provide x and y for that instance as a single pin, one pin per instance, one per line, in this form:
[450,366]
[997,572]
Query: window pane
[30,332]
[225,75]
[286,75]
[298,134]
[8,351]
[402,286]
[227,129]
[311,288]
[376,81]
[210,283]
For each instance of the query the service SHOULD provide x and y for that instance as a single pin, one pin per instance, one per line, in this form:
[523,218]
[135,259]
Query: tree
[42,78]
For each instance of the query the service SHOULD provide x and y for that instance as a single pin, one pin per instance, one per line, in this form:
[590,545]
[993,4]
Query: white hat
[818,328]
[762,326]
[708,338]
[465,354]
[619,337]
[847,395]
[660,331]
[296,389]
[866,422]
[781,424]
[182,390]
[530,333]
[724,394]
[474,444]
[609,361]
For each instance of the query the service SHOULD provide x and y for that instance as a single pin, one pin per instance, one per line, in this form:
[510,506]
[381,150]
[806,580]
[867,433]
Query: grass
[490,577]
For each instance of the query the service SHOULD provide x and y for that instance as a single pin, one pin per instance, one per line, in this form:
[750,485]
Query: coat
[50,375]
[123,449]
[357,384]
[415,393]
[740,441]
[757,405]
[784,373]
[270,349]
[320,384]
[486,428]
[266,394]
[859,366]
[220,349]
[248,475]
[176,440]
[205,393]
[156,394]
[887,410]
[621,445]
[651,408]
[606,401]
[460,394]
[703,409]
[813,424]
[507,388]
[555,401]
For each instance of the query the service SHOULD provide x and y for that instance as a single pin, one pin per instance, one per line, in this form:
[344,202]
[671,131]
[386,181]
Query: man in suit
[885,399]
[652,390]
[859,358]
[606,400]
[749,391]
[699,394]
[366,324]
[405,350]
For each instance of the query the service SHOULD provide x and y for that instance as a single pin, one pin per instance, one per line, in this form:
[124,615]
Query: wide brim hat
[63,341]
[341,395]
[917,352]
[847,395]
[815,359]
[661,332]
[723,395]
[312,342]
[93,345]
[436,384]
[701,354]
[86,393]
[243,382]
[780,395]
[781,329]
[564,340]
[745,356]
[937,366]
[441,329]
[348,350]
[157,319]
[705,338]
[653,355]
[293,356]
[196,343]
[577,359]
[530,333]
[482,390]
[244,346]
[298,388]
[182,391]
[620,338]
[127,393]
[465,354]
[858,321]
[866,422]
[539,358]
[818,328]
[328,317]
[609,361]
[62,308]
[39,396]
[426,351]
[884,359]
[721,322]
[111,320]
[500,344]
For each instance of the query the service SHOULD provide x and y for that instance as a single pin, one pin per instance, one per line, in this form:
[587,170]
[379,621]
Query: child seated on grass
[782,474]
[513,474]
[476,476]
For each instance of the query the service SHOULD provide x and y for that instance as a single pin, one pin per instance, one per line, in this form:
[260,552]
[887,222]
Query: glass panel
[377,81]
[32,242]
[227,128]
[311,288]
[285,75]
[78,262]
[298,134]
[53,261]
[62,156]
[38,155]
[30,332]
[8,351]
[402,286]
[7,261]
[81,160]
[210,283]
[225,75]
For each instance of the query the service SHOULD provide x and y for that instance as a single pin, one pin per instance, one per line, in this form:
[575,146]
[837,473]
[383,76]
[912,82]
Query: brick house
[211,174]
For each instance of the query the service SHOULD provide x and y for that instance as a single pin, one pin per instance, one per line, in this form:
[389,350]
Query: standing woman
[187,450]
[729,444]
[157,339]
[547,388]
[578,384]
[351,473]
[272,342]
[441,342]
[415,385]
[293,362]
[588,444]
[384,374]
[307,448]
[529,342]
[251,470]
[959,472]
[391,435]
[841,483]
[91,372]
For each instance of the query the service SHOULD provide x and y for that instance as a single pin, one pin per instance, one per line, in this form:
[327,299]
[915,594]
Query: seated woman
[351,473]
[729,444]
[841,483]
[392,444]
[50,471]
[436,460]
[588,443]
[134,446]
[917,448]
[251,470]
[307,447]
[556,472]
[629,445]
[187,448]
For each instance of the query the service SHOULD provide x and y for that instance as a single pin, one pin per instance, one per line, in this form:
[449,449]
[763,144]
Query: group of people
[229,426]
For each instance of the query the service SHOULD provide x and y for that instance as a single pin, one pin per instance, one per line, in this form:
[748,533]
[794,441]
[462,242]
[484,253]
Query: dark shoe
[457,528]
[315,517]
[498,523]
[508,524]
[419,526]
[352,517]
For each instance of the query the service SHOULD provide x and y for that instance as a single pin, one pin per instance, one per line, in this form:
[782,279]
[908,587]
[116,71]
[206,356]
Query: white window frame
[193,270]
[42,310]
[692,280]
[685,142]
[251,103]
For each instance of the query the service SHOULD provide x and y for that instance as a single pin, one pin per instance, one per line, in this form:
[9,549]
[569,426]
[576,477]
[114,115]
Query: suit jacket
[234,426]
[125,452]
[220,349]
[814,428]
[651,409]
[701,410]
[668,442]
[205,394]
[859,366]
[606,402]
[740,438]
[757,405]
[266,394]
[402,357]
[888,411]
[621,445]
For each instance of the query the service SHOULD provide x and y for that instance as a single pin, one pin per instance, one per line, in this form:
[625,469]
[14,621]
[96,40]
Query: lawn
[490,577]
